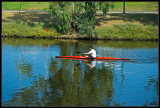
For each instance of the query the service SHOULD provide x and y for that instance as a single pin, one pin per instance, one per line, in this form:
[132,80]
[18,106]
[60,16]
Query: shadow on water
[81,43]
[76,82]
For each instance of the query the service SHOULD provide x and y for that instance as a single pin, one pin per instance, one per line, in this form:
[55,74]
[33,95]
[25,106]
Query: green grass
[136,6]
[26,29]
[142,6]
[128,26]
[25,5]
[130,6]
[129,31]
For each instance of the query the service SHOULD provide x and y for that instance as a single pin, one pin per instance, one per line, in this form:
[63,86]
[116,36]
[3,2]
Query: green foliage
[106,6]
[84,18]
[61,21]
[81,19]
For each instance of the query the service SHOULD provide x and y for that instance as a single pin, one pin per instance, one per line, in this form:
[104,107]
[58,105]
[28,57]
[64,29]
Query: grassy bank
[129,31]
[128,26]
[111,26]
[25,29]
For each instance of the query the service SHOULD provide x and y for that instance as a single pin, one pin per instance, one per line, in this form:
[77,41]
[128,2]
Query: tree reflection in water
[68,85]
[72,82]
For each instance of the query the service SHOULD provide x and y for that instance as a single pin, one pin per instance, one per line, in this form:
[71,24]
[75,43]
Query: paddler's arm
[86,53]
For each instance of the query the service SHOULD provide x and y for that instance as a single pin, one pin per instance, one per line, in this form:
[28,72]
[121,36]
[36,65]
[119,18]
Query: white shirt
[92,52]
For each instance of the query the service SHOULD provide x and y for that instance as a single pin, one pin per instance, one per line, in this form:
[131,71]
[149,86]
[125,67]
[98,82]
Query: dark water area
[32,76]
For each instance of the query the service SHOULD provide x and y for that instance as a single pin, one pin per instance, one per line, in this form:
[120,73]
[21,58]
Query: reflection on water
[92,64]
[32,76]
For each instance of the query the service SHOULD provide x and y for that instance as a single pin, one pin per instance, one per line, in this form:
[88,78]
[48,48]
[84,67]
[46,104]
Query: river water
[32,76]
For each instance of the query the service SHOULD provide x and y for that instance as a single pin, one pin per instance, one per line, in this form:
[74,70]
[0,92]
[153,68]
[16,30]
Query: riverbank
[81,38]
[114,26]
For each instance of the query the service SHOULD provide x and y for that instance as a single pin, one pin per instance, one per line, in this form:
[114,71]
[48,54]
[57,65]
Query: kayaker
[92,52]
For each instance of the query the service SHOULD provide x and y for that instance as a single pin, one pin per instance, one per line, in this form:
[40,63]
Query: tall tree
[80,16]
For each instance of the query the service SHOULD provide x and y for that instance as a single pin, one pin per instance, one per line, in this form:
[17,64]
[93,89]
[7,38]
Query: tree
[77,16]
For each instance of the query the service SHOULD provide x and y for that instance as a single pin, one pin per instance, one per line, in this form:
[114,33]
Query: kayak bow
[97,58]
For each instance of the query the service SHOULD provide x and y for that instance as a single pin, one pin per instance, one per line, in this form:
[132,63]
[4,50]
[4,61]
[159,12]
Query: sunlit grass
[130,6]
[136,6]
[25,5]
[129,31]
[26,29]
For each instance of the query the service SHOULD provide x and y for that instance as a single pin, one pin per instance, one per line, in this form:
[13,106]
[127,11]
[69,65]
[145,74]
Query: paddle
[80,52]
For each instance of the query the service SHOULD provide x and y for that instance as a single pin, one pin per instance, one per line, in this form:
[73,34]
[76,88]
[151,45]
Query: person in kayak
[92,52]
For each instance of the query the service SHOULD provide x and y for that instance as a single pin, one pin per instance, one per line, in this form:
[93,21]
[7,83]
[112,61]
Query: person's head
[91,47]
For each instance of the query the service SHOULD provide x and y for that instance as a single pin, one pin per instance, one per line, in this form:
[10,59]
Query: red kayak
[97,58]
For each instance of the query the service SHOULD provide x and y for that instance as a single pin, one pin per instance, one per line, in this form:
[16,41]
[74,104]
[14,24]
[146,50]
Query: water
[32,76]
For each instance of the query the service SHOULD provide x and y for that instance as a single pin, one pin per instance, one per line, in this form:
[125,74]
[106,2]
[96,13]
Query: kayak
[97,58]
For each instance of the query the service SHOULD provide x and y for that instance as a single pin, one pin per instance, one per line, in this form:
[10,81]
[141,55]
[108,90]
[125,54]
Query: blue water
[32,76]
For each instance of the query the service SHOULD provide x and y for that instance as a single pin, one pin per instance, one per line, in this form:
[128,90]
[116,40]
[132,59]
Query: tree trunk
[73,8]
[124,8]
[20,8]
